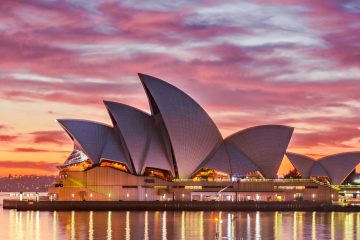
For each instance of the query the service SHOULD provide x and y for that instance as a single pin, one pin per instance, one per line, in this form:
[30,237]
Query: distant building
[178,153]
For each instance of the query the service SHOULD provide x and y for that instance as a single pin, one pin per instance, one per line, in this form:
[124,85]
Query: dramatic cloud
[250,62]
[30,150]
[56,137]
[44,166]
[7,138]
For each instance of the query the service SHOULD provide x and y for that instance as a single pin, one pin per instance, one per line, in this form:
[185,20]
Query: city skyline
[294,63]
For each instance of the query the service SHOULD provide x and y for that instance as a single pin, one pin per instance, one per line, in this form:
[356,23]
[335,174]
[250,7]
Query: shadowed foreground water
[178,225]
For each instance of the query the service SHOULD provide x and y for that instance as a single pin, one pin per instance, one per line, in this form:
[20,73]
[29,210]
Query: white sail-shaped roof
[219,161]
[192,133]
[265,145]
[240,164]
[140,135]
[339,166]
[229,159]
[318,170]
[156,156]
[302,163]
[90,136]
[113,151]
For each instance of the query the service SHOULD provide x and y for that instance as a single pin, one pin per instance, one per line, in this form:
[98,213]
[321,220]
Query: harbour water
[178,225]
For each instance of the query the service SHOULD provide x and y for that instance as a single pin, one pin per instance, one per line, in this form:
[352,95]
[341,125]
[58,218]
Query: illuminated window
[159,173]
[323,179]
[77,156]
[82,166]
[289,187]
[193,187]
[116,165]
[210,175]
[254,175]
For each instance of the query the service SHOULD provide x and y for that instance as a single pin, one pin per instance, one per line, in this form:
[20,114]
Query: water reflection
[109,227]
[54,224]
[178,225]
[278,225]
[294,226]
[313,226]
[72,228]
[146,226]
[257,226]
[164,231]
[182,225]
[332,226]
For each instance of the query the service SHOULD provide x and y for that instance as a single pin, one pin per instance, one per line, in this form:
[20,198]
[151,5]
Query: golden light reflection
[91,225]
[37,225]
[257,226]
[182,225]
[72,227]
[301,224]
[332,226]
[146,225]
[201,228]
[20,229]
[32,222]
[220,224]
[127,228]
[109,227]
[313,226]
[349,226]
[248,226]
[278,225]
[294,226]
[164,230]
[54,224]
[358,225]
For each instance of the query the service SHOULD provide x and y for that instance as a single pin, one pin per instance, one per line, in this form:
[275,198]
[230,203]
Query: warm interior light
[159,173]
[116,165]
[82,166]
[210,175]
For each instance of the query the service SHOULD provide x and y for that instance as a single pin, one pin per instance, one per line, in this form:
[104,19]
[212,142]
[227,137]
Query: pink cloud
[55,137]
[39,165]
[34,150]
[94,52]
[7,138]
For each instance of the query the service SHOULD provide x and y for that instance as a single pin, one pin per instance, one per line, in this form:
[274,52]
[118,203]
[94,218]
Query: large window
[159,173]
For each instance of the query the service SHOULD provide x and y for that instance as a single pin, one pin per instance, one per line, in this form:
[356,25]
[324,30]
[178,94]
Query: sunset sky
[247,63]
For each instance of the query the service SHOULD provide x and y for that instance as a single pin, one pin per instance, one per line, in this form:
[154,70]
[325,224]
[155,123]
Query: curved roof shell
[239,163]
[156,156]
[318,170]
[192,133]
[302,163]
[114,151]
[229,159]
[265,145]
[339,166]
[140,136]
[218,161]
[90,136]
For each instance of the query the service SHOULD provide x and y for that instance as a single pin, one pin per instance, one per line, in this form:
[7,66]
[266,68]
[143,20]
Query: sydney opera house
[178,153]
